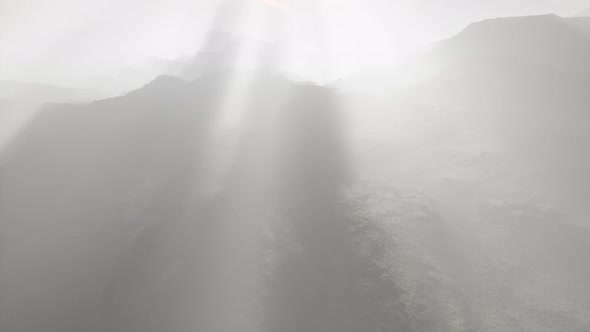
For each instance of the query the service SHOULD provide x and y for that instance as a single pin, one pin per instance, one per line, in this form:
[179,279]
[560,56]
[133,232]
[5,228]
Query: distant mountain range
[42,93]
[221,51]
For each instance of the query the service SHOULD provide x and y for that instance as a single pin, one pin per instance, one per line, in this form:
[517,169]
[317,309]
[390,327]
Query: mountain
[221,51]
[149,197]
[224,51]
[19,102]
[532,71]
[517,84]
[495,52]
[492,125]
[103,165]
[42,93]
[545,38]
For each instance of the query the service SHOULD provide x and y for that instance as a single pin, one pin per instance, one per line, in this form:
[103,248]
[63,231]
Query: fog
[94,43]
[294,166]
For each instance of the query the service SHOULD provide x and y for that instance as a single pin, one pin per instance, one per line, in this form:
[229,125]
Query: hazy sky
[63,41]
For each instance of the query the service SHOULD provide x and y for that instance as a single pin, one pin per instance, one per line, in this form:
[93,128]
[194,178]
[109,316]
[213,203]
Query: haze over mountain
[519,82]
[498,44]
[44,93]
[142,168]
[98,38]
[223,54]
[221,194]
[495,133]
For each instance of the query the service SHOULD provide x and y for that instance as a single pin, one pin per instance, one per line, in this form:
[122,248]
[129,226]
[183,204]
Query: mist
[294,166]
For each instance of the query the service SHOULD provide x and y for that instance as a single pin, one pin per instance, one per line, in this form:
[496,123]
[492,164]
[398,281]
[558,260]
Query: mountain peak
[165,80]
[547,39]
[510,24]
